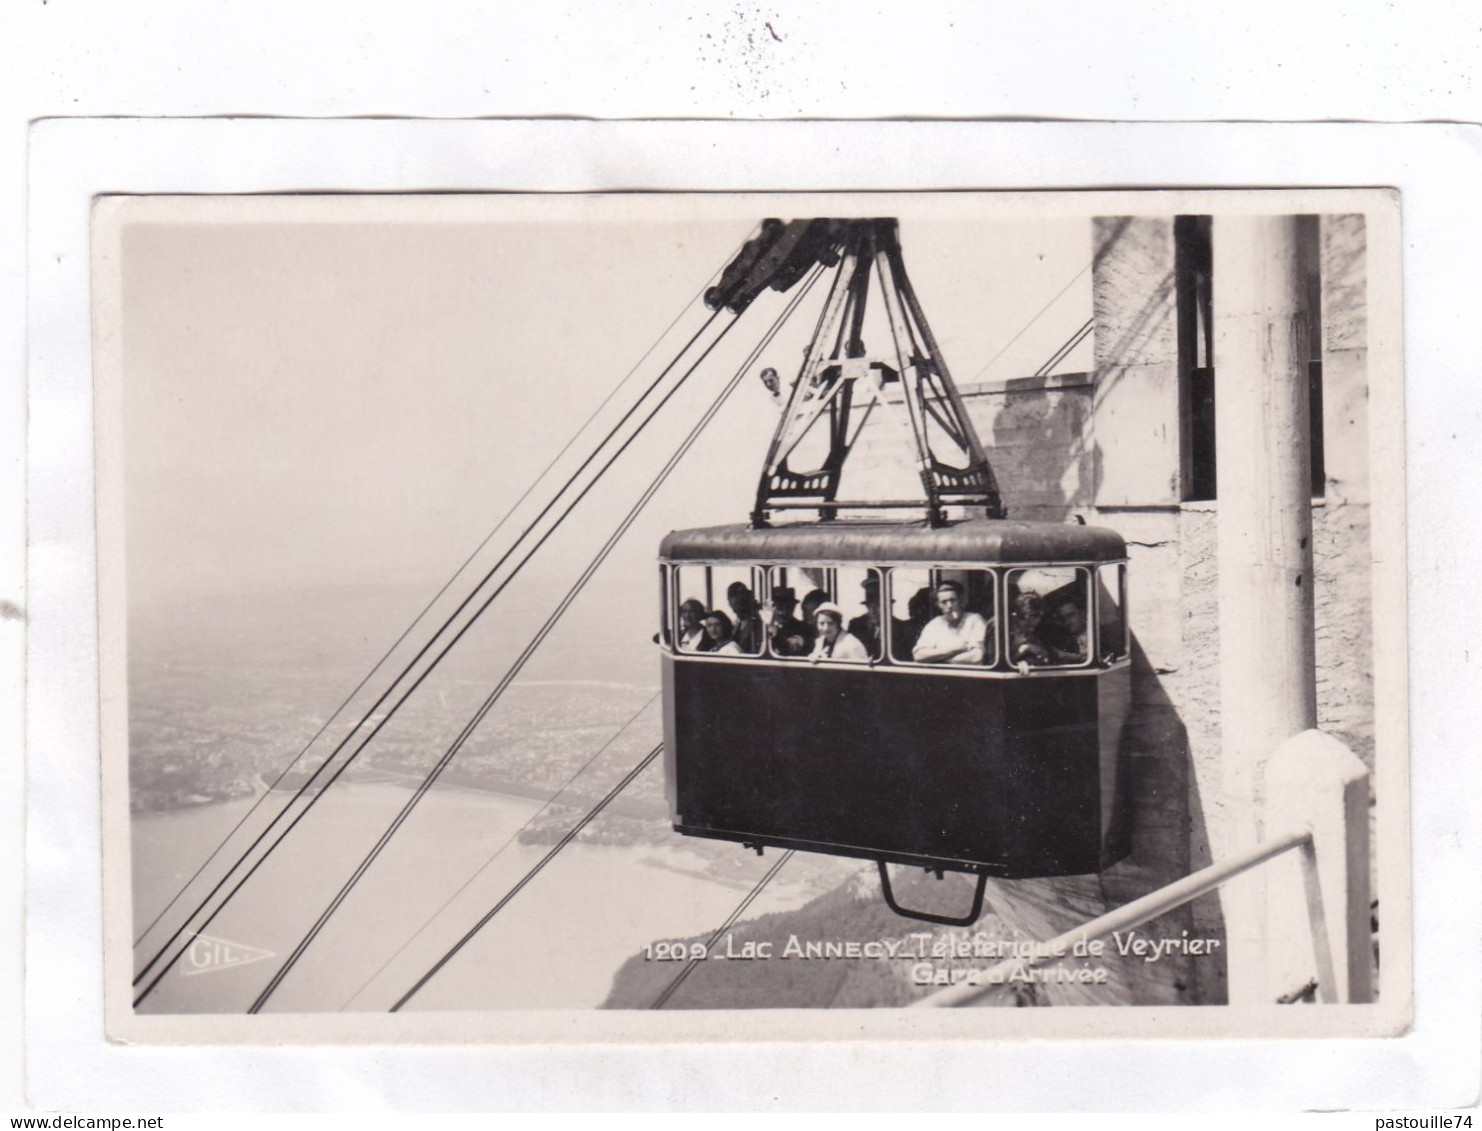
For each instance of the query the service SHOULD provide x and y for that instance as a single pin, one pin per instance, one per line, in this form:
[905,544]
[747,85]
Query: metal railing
[1160,902]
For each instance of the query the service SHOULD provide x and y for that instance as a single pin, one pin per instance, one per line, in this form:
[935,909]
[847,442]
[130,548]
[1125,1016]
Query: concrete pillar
[1345,358]
[1267,669]
[1341,527]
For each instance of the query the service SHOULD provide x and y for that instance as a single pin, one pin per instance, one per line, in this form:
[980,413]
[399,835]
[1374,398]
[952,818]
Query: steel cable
[539,637]
[416,620]
[1037,316]
[689,967]
[391,713]
[303,790]
[509,840]
[571,835]
[298,795]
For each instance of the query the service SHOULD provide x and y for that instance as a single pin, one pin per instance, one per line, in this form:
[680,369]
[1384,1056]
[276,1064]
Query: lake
[556,945]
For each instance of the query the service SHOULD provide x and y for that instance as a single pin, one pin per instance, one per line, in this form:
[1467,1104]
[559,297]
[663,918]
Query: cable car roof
[975,540]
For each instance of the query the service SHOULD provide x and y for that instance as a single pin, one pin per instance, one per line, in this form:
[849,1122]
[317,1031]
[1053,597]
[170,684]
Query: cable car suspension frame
[838,373]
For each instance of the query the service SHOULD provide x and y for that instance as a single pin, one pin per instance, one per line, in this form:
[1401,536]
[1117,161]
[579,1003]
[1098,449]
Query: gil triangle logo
[206,955]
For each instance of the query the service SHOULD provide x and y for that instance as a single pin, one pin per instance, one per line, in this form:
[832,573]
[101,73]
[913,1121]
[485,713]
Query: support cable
[498,852]
[689,967]
[376,667]
[429,670]
[627,415]
[432,666]
[452,617]
[571,835]
[1065,350]
[1037,316]
[544,630]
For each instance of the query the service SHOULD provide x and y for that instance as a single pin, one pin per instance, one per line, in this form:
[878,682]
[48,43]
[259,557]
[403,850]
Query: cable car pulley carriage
[959,703]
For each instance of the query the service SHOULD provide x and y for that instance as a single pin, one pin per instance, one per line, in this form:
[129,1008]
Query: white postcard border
[77,160]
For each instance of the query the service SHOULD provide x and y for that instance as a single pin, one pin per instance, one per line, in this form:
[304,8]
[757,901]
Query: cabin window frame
[830,570]
[1124,653]
[668,614]
[1086,569]
[759,593]
[999,572]
[935,574]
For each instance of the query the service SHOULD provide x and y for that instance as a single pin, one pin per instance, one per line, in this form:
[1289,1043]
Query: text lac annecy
[925,945]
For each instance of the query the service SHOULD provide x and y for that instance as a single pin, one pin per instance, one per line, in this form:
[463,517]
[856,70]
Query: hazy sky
[320,392]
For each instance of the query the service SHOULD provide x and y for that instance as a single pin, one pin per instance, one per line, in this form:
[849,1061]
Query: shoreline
[515,791]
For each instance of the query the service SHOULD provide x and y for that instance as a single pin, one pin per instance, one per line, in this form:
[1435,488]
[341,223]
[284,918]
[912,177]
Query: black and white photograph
[632,614]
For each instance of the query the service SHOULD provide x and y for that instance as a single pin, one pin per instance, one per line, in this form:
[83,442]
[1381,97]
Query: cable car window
[789,636]
[857,595]
[1048,623]
[910,609]
[722,602]
[689,590]
[805,588]
[943,616]
[1111,600]
[847,597]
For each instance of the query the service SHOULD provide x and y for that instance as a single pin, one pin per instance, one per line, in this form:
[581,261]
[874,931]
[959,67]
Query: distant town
[190,748]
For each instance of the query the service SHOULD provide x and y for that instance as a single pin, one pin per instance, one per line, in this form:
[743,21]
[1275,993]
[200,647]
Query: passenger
[691,631]
[1065,634]
[833,642]
[773,384]
[1026,646]
[811,600]
[866,628]
[955,637]
[905,633]
[749,627]
[718,634]
[790,636]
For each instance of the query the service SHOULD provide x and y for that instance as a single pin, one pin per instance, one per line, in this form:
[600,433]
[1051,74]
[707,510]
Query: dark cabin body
[995,768]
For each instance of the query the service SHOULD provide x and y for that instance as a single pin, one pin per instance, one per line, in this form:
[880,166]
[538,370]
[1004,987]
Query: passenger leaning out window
[1026,641]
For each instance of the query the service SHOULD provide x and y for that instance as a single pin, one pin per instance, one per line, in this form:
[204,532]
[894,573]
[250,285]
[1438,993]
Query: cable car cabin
[957,705]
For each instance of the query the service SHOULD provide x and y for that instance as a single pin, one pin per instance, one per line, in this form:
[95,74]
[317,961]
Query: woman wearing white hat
[833,642]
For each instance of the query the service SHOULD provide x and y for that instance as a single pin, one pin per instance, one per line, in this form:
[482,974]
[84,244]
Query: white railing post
[1313,778]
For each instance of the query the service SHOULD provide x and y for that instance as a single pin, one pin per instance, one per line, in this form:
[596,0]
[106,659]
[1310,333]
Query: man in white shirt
[955,637]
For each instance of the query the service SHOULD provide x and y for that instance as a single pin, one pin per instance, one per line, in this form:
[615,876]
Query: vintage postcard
[650,616]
